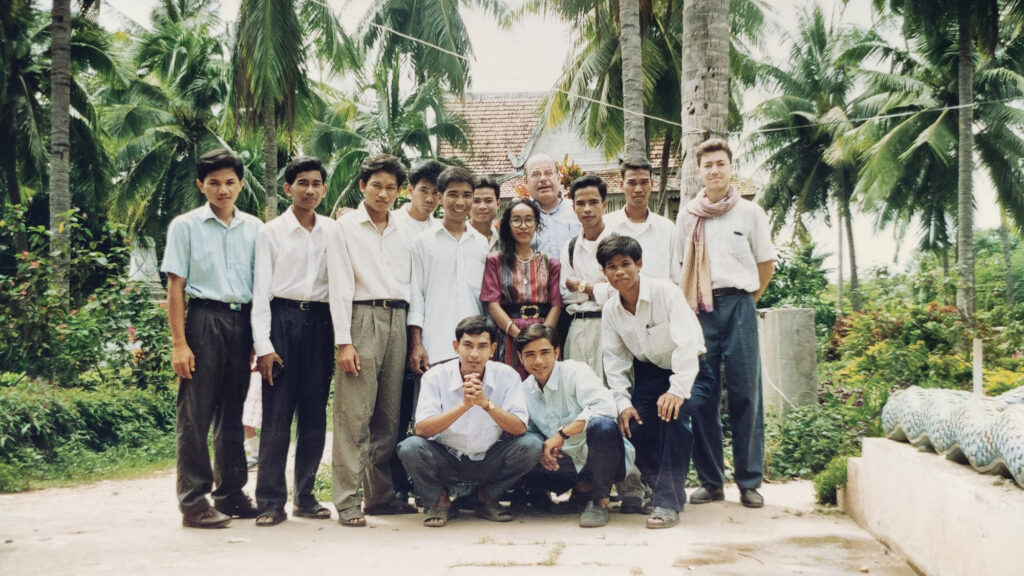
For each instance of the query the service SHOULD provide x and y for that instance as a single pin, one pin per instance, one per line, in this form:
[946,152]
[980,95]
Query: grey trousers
[221,341]
[366,409]
[434,468]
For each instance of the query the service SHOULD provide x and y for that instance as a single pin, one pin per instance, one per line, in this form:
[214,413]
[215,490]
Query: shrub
[832,477]
[806,439]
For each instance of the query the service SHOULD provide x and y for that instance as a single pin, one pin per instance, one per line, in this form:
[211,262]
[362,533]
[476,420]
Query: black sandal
[315,512]
[270,517]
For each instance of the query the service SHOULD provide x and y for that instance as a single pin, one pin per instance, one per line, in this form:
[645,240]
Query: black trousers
[663,448]
[304,339]
[605,465]
[221,341]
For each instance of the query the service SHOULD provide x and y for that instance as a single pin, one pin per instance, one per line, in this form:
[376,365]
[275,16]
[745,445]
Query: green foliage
[322,484]
[800,282]
[111,327]
[806,439]
[832,477]
[48,432]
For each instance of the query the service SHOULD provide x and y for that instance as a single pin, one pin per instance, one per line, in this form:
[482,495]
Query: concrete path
[133,527]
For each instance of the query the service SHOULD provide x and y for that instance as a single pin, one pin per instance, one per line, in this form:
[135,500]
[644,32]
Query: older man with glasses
[558,222]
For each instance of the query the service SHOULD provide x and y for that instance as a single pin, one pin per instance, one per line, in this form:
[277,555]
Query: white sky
[529,58]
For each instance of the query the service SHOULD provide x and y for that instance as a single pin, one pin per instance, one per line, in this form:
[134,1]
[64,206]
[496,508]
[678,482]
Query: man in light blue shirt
[558,222]
[575,415]
[466,407]
[209,257]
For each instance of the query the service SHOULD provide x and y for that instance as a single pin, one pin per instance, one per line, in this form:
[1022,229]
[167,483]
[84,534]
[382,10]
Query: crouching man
[575,414]
[648,329]
[470,428]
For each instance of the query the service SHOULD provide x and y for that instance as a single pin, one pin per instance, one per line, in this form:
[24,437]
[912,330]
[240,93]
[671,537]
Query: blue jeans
[730,334]
[606,463]
[663,448]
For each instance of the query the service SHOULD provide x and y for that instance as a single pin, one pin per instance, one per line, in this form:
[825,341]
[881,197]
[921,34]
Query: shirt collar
[534,386]
[292,223]
[362,217]
[561,201]
[206,212]
[456,375]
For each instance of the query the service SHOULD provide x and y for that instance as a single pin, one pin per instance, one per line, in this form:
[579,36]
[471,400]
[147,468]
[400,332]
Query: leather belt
[388,304]
[727,292]
[590,314]
[304,305]
[528,310]
[222,306]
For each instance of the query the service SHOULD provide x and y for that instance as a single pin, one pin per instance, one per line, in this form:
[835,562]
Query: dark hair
[713,145]
[428,170]
[488,182]
[635,163]
[535,332]
[382,163]
[616,245]
[217,159]
[587,181]
[302,164]
[454,174]
[474,326]
[505,239]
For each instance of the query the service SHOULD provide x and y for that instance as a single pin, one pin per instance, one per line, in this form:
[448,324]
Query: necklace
[525,260]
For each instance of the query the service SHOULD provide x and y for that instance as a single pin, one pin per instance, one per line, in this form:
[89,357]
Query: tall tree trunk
[705,86]
[13,185]
[632,79]
[60,137]
[270,164]
[839,268]
[965,172]
[854,279]
[1004,239]
[666,151]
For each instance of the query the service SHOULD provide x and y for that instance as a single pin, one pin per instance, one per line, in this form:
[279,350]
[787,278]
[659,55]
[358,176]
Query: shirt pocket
[658,340]
[739,248]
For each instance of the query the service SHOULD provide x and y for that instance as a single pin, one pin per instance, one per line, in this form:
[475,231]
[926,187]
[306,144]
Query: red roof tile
[501,125]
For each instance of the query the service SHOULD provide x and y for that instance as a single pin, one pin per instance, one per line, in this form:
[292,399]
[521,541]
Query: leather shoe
[751,498]
[706,494]
[240,506]
[594,516]
[208,518]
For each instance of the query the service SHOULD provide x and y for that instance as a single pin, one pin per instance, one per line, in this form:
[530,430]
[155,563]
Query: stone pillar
[789,363]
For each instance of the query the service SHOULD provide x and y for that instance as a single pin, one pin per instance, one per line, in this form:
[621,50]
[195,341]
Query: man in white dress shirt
[486,199]
[471,427]
[558,222]
[729,261]
[294,343]
[424,196]
[655,233]
[648,329]
[368,264]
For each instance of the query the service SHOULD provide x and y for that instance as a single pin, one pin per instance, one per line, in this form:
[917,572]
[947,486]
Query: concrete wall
[789,364]
[944,517]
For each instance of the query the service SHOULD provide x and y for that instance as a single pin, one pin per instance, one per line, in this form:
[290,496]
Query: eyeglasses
[518,222]
[536,174]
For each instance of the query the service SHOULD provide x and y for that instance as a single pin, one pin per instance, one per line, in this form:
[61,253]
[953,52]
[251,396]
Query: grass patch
[74,463]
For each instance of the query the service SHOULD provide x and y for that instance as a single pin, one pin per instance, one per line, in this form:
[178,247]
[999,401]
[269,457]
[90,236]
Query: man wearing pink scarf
[728,261]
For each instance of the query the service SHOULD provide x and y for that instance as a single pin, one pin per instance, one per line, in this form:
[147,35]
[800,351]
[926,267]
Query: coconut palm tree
[439,23]
[798,128]
[60,135]
[395,122]
[632,79]
[269,59]
[911,153]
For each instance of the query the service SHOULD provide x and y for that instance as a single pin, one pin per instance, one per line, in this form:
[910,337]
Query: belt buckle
[304,306]
[386,304]
[234,306]
[524,314]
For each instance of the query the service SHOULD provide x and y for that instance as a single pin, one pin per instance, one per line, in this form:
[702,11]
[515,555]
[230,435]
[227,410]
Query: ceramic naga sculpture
[987,433]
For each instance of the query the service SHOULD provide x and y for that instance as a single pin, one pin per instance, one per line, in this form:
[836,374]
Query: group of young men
[387,301]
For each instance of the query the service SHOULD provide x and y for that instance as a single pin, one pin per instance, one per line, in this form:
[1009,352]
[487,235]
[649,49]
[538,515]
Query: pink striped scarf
[696,282]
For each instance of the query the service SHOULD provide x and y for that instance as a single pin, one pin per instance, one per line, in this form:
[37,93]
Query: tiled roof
[501,125]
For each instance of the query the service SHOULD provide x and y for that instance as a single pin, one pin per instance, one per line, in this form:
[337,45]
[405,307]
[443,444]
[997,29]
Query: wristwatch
[582,288]
[561,432]
[489,407]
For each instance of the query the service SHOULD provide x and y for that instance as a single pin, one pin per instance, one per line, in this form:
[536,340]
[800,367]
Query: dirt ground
[133,527]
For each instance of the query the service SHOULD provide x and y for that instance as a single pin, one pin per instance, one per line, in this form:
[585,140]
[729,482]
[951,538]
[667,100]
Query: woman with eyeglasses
[520,285]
